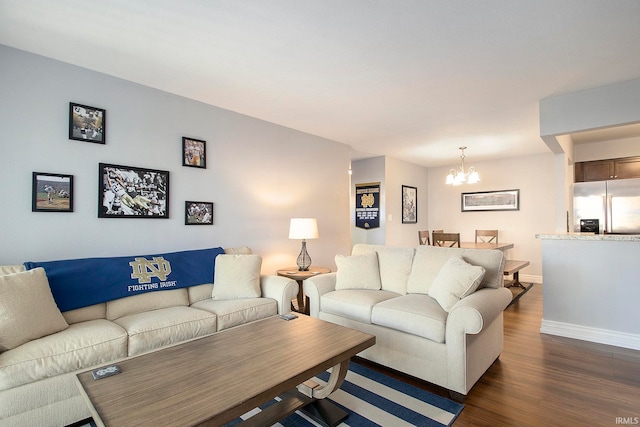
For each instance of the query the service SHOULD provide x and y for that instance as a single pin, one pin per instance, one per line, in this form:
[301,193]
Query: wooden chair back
[435,231]
[487,236]
[423,237]
[446,239]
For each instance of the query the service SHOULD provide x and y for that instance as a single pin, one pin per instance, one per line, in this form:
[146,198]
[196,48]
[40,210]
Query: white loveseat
[38,365]
[422,305]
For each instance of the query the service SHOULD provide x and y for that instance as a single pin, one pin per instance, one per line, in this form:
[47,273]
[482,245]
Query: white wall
[532,175]
[592,294]
[258,174]
[399,173]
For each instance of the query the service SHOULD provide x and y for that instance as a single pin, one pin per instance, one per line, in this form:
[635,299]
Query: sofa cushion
[204,291]
[236,312]
[428,261]
[80,346]
[27,309]
[456,280]
[395,267]
[159,328]
[358,272]
[92,312]
[200,292]
[237,276]
[414,314]
[146,302]
[394,264]
[10,269]
[355,304]
[241,250]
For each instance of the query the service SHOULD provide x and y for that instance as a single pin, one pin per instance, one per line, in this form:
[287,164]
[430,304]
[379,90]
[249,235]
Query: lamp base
[304,260]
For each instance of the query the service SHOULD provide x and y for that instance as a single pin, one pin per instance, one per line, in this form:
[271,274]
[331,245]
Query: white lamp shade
[303,228]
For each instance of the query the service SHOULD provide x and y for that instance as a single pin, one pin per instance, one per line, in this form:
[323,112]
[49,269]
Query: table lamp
[303,228]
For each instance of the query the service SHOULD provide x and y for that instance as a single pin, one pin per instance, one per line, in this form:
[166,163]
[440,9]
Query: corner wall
[258,174]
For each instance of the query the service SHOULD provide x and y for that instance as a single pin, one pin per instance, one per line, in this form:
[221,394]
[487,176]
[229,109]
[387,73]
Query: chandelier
[460,176]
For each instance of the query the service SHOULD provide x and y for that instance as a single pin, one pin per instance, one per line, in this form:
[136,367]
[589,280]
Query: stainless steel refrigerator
[614,204]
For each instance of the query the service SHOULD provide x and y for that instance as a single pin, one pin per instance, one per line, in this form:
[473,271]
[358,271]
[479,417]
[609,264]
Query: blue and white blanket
[79,283]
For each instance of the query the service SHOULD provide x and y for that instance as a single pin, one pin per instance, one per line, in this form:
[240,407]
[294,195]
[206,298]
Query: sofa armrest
[317,286]
[279,288]
[471,314]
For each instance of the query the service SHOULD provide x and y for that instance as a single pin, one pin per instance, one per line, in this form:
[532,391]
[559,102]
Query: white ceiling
[406,78]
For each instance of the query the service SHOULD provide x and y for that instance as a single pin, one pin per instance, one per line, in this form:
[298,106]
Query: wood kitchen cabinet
[602,170]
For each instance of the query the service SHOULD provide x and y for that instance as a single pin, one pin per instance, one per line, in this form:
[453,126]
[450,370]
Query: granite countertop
[590,236]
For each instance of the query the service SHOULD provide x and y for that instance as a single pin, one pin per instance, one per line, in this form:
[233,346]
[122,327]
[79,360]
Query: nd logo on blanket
[144,270]
[78,283]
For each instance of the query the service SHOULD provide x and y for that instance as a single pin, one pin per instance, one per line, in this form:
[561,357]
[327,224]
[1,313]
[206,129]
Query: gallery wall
[258,174]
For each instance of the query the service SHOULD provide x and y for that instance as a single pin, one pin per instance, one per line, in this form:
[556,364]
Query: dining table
[486,245]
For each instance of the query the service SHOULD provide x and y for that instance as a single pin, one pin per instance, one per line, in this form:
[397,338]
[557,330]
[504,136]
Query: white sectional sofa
[436,312]
[38,362]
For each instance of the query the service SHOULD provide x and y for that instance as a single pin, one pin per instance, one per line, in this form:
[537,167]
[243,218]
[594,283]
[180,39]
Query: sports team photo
[87,123]
[194,153]
[52,192]
[198,213]
[129,192]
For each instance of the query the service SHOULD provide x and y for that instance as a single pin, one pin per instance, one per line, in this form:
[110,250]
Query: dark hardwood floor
[544,380]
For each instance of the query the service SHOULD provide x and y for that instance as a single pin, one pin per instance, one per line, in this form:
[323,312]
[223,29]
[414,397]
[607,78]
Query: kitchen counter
[591,287]
[591,236]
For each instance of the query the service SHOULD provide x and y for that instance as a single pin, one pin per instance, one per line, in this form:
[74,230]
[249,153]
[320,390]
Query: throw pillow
[358,272]
[237,276]
[455,280]
[27,309]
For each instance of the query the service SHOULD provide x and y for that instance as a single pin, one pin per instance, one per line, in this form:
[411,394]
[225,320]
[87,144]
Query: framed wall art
[198,213]
[52,192]
[87,123]
[504,200]
[194,153]
[132,192]
[409,205]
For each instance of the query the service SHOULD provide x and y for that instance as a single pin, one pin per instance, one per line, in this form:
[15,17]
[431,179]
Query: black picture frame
[502,200]
[194,153]
[51,192]
[198,213]
[409,204]
[88,124]
[132,192]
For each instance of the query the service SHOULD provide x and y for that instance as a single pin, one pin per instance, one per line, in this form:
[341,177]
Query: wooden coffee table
[213,380]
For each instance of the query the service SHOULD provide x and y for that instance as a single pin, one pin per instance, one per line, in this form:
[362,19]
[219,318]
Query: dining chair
[423,237]
[435,231]
[446,239]
[487,236]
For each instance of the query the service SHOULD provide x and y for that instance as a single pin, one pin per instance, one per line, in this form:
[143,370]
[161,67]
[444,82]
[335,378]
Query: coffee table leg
[320,410]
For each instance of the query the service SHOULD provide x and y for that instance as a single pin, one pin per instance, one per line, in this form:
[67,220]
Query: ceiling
[410,79]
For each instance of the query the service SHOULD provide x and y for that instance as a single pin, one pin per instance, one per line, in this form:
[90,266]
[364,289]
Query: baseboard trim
[530,278]
[585,333]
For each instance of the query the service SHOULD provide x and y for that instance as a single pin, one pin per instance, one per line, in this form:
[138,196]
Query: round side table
[299,276]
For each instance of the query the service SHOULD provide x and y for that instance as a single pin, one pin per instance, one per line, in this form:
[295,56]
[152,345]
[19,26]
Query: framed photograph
[131,192]
[87,123]
[198,213]
[52,192]
[504,200]
[409,205]
[194,153]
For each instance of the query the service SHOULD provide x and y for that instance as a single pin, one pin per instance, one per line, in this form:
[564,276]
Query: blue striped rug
[375,399]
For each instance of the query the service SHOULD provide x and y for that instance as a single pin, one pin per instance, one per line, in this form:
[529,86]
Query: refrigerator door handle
[608,213]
